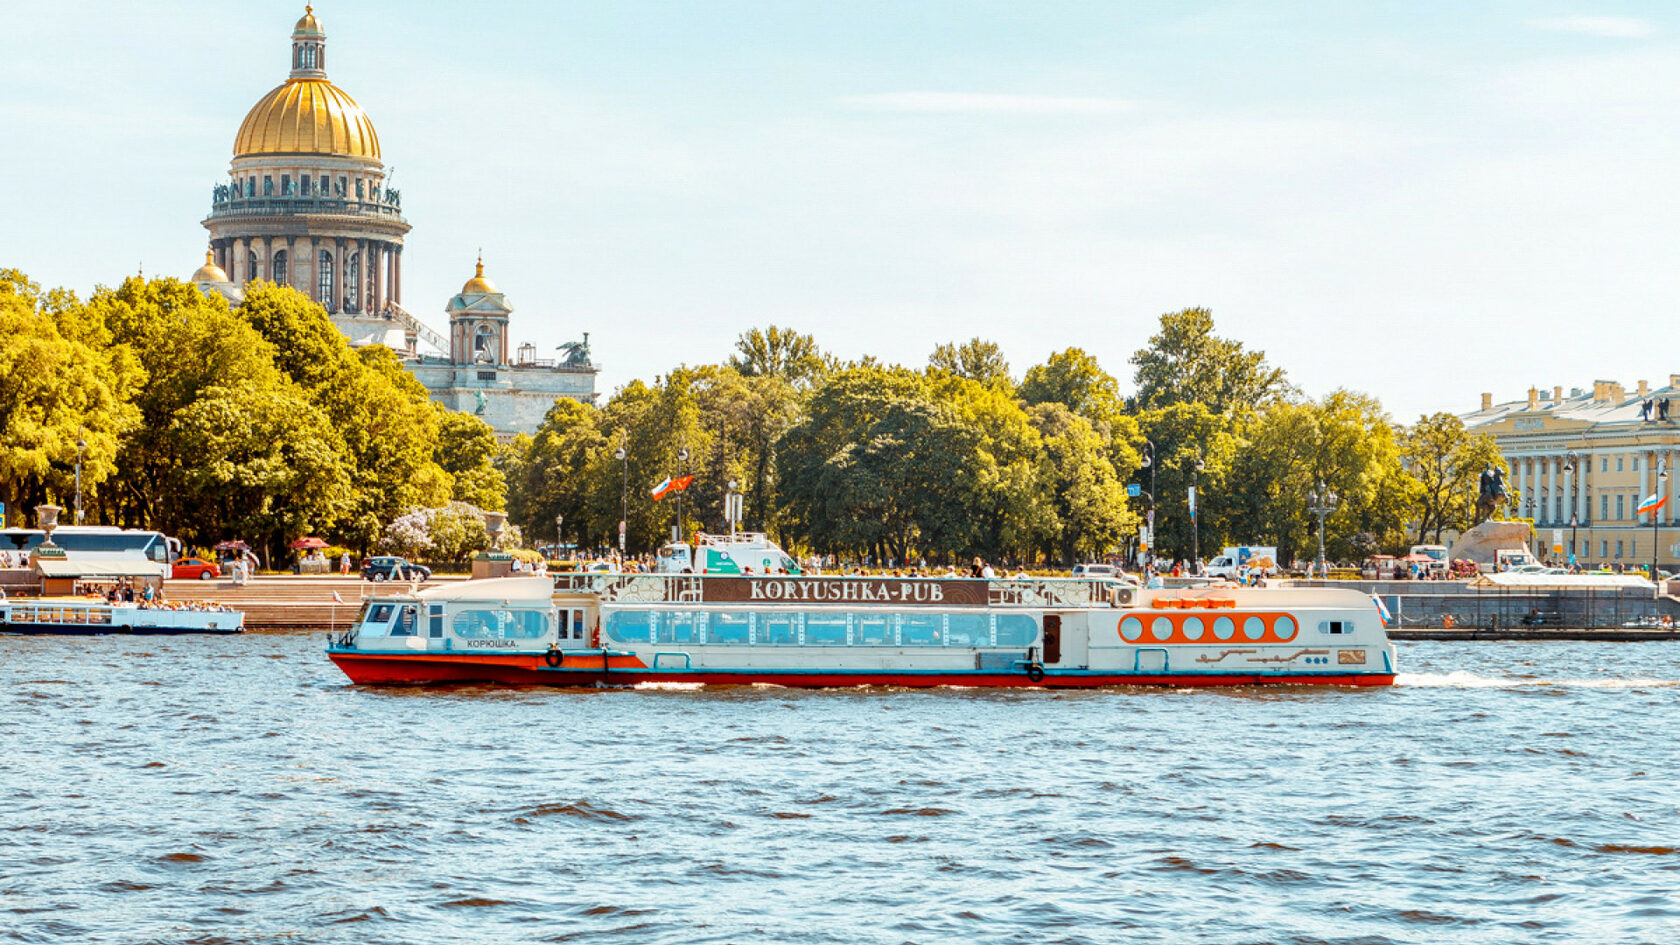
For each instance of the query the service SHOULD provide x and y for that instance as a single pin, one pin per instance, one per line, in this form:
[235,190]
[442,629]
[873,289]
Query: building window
[1621,506]
[1618,464]
[285,185]
[1603,507]
[359,190]
[268,186]
[1636,464]
[482,341]
[326,185]
[1618,550]
[1603,549]
[1604,464]
[280,267]
[324,286]
[352,283]
[250,266]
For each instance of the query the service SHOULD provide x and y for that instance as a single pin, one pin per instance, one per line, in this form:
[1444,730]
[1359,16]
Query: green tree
[976,360]
[1185,362]
[1091,513]
[55,388]
[1446,460]
[1074,379]
[779,352]
[552,481]
[1185,434]
[466,450]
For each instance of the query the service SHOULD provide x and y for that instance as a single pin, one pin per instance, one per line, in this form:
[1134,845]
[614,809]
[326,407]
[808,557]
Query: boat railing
[886,591]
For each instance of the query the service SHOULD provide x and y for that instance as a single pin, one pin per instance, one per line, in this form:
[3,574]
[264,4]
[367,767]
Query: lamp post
[682,463]
[623,494]
[559,531]
[1195,519]
[1149,464]
[81,446]
[1569,465]
[1662,477]
[1321,502]
[732,507]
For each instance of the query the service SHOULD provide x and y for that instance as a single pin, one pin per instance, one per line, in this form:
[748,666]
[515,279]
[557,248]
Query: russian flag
[664,487]
[1651,504]
[671,485]
[1382,610]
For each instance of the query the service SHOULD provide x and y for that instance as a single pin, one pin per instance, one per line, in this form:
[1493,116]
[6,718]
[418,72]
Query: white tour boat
[87,615]
[627,629]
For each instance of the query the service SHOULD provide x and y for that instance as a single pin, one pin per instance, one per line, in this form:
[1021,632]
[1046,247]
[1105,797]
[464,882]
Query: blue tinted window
[525,624]
[780,629]
[1016,630]
[727,628]
[679,628]
[630,626]
[825,629]
[968,629]
[921,629]
[872,630]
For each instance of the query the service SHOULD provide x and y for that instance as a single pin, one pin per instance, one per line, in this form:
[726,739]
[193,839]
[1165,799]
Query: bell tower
[478,322]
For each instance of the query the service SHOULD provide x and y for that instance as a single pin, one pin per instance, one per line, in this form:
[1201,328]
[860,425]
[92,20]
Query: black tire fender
[1035,672]
[554,657]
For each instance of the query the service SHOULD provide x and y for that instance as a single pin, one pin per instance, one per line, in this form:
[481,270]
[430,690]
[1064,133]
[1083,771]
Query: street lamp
[1195,530]
[623,494]
[81,446]
[1662,477]
[1149,464]
[1569,465]
[682,462]
[732,507]
[559,531]
[1321,502]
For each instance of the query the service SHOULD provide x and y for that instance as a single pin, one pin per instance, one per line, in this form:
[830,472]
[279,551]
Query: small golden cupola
[210,272]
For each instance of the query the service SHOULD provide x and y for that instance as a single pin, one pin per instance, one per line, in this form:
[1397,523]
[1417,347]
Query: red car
[197,568]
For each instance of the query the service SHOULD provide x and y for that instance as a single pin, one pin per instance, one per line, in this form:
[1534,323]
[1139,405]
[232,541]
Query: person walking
[344,563]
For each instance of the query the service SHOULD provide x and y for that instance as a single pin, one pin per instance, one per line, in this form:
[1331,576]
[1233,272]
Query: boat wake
[1462,679]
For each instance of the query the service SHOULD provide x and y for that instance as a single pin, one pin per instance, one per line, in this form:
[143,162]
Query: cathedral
[307,203]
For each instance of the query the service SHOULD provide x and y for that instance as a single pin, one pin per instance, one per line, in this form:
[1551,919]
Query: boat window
[678,628]
[728,628]
[779,628]
[435,621]
[1131,629]
[1254,628]
[379,613]
[1333,626]
[1018,630]
[968,629]
[825,629]
[1161,628]
[525,624]
[1284,628]
[406,619]
[1193,628]
[631,626]
[1224,628]
[921,629]
[577,625]
[873,630]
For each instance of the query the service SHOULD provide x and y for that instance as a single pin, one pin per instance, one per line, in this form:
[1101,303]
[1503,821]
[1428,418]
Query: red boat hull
[587,670]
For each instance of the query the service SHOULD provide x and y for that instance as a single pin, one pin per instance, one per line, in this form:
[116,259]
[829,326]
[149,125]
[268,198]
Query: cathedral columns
[396,276]
[377,264]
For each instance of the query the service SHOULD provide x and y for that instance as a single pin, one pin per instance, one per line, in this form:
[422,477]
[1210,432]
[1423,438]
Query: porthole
[1224,627]
[1254,628]
[1161,628]
[1131,629]
[1193,628]
[1284,628]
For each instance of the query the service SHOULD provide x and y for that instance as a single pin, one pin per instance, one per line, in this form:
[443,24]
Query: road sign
[1557,541]
[1150,518]
[1133,489]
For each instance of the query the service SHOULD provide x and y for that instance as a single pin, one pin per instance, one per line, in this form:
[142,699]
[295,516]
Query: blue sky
[1419,200]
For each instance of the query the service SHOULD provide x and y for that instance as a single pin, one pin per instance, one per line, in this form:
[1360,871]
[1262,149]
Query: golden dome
[307,116]
[478,283]
[308,24]
[210,272]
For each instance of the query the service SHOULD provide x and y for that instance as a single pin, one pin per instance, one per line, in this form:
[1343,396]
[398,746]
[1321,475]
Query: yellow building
[1582,462]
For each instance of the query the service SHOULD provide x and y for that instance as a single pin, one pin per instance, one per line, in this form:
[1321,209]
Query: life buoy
[1035,672]
[554,657]
[1448,622]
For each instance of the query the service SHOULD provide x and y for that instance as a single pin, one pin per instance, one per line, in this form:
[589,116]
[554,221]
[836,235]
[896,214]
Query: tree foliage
[1186,362]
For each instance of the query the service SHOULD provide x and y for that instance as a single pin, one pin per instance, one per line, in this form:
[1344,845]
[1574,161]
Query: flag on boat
[337,599]
[1382,610]
[1651,504]
[671,485]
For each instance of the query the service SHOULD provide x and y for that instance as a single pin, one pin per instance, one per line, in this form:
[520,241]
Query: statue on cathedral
[577,352]
[478,395]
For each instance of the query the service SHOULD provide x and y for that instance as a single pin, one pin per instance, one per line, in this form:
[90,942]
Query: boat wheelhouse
[613,629]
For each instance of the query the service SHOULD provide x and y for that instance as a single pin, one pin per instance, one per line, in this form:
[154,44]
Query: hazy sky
[1419,200]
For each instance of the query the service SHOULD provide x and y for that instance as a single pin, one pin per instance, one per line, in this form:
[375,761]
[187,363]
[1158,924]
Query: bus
[98,541]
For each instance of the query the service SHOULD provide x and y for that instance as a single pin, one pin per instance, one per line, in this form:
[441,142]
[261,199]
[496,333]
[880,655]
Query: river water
[239,790]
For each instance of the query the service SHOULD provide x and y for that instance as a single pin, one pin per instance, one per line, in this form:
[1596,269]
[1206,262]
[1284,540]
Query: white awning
[1562,582]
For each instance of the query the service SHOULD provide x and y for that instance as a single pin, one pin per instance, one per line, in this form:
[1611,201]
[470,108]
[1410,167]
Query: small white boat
[84,616]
